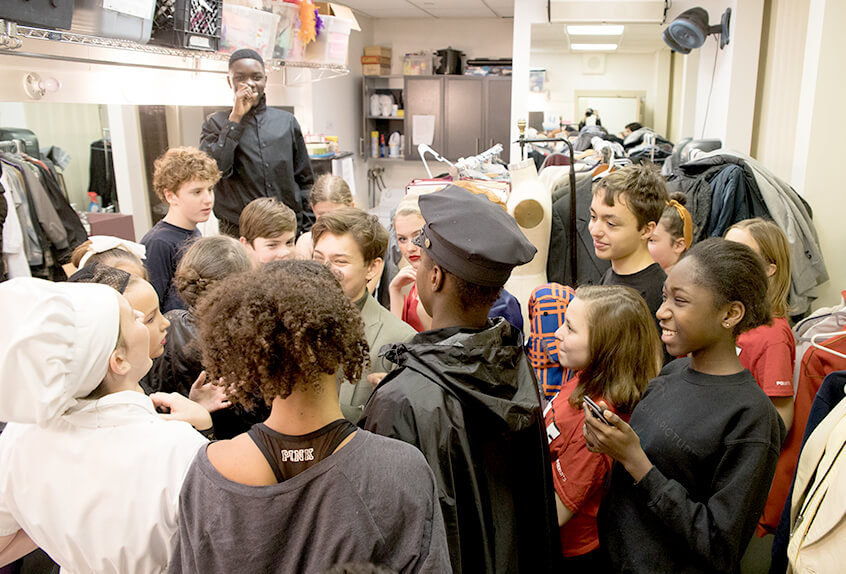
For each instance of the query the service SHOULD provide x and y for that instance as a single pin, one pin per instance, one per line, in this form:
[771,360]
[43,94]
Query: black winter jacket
[469,401]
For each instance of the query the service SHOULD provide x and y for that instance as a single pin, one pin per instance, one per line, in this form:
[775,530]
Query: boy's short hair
[642,188]
[365,228]
[266,217]
[179,165]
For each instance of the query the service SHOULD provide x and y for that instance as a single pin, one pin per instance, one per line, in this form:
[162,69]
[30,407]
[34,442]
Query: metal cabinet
[498,114]
[471,113]
[464,116]
[424,95]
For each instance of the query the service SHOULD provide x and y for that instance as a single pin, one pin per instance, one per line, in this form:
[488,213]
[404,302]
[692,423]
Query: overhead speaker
[690,30]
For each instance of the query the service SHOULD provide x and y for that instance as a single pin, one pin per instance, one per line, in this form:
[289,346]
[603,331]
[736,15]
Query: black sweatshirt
[262,156]
[714,442]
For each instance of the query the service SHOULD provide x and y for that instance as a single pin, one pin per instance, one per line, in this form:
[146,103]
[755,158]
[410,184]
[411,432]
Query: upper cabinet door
[464,116]
[424,96]
[498,114]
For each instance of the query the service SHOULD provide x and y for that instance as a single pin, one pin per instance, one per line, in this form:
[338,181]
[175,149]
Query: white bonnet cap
[55,341]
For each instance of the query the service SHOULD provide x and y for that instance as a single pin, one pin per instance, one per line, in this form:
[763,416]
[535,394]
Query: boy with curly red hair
[184,177]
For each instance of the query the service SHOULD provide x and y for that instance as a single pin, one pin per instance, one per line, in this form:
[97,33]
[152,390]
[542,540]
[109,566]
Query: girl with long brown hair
[609,337]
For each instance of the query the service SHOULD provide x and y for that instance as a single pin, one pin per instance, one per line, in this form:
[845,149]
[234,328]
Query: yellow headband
[687,222]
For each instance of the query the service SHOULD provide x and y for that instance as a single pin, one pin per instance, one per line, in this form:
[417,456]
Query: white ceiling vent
[593,64]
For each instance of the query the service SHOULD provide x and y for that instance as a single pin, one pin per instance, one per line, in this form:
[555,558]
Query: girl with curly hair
[305,489]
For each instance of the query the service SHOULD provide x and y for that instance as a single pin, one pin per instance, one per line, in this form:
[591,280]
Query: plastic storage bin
[136,23]
[38,13]
[418,64]
[248,28]
[191,24]
[333,42]
[287,30]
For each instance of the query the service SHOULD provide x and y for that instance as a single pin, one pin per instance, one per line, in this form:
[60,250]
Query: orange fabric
[816,364]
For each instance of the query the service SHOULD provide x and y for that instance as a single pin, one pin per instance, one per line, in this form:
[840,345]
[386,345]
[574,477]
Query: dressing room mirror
[78,131]
[625,72]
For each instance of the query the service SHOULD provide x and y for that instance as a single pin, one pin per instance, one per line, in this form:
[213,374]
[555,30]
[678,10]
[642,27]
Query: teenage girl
[408,223]
[206,262]
[140,295]
[298,492]
[327,194]
[673,234]
[769,351]
[609,337]
[88,470]
[696,461]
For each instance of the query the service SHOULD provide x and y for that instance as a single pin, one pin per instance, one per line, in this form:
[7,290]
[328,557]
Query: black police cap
[471,237]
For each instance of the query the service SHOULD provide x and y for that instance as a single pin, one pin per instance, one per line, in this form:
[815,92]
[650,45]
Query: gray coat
[807,268]
[381,328]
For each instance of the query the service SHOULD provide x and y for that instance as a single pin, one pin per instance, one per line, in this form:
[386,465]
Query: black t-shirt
[165,244]
[649,282]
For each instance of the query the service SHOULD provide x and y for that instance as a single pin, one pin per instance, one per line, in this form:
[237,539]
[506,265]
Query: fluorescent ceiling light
[593,47]
[600,30]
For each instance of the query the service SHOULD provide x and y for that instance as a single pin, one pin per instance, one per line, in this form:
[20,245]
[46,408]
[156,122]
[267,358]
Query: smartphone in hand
[596,410]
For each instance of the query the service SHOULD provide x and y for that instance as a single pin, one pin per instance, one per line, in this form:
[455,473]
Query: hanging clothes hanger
[818,336]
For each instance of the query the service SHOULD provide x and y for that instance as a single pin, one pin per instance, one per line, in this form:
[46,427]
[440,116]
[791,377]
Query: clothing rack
[523,141]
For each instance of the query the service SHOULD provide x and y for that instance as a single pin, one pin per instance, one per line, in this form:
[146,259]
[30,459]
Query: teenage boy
[268,228]
[465,395]
[260,150]
[184,177]
[353,244]
[625,209]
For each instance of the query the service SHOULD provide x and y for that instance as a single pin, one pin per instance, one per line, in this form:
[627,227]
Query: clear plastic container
[332,44]
[417,64]
[90,18]
[248,28]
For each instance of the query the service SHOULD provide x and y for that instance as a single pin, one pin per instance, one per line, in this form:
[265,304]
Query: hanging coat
[589,267]
[469,401]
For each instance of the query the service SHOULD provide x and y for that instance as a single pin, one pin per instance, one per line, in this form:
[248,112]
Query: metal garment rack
[9,33]
[523,141]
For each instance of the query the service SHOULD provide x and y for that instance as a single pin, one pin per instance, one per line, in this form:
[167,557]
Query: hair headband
[687,222]
[101,243]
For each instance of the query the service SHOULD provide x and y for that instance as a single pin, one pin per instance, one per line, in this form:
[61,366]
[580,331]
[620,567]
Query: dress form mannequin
[530,204]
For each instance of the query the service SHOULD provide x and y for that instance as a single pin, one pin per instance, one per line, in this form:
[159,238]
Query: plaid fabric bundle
[547,307]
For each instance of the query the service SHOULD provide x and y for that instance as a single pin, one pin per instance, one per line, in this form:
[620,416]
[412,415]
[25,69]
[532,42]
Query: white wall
[778,97]
[819,142]
[727,78]
[336,105]
[623,72]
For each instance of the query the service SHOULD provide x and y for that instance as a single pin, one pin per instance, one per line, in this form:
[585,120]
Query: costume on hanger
[590,268]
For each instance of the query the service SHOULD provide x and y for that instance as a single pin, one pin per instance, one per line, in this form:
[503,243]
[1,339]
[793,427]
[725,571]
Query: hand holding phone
[596,410]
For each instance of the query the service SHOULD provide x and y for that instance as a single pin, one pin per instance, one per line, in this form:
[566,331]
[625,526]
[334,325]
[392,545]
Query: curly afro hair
[278,328]
[733,272]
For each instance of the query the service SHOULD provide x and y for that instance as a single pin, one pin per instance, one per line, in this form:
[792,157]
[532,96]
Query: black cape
[469,401]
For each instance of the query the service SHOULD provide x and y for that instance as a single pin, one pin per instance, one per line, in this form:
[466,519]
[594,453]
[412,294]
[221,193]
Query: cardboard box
[378,60]
[375,70]
[382,51]
[339,10]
